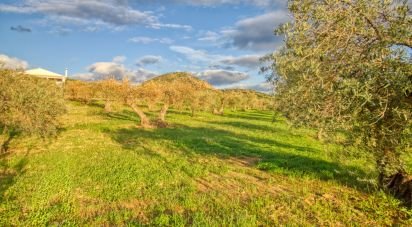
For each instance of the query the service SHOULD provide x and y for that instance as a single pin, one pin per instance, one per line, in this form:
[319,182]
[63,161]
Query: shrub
[28,105]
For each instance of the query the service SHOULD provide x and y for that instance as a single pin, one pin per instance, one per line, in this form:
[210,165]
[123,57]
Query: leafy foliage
[346,66]
[29,105]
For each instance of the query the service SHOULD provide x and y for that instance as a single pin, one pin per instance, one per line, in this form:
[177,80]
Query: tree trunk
[393,177]
[144,120]
[192,111]
[5,138]
[221,110]
[108,106]
[217,112]
[163,111]
[150,106]
[320,134]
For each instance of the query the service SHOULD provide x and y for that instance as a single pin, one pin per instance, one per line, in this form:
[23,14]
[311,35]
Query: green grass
[238,169]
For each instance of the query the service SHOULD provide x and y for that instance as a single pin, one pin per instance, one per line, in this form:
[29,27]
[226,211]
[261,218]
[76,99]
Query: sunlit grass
[236,169]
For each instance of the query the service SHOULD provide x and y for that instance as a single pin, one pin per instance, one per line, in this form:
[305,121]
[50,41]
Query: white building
[46,74]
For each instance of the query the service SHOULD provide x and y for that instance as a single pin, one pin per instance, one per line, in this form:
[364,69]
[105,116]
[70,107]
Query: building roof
[39,72]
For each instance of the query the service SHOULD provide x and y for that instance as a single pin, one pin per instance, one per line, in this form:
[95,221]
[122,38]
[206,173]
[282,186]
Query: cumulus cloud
[20,28]
[210,36]
[98,12]
[259,3]
[149,60]
[119,59]
[257,33]
[216,61]
[264,87]
[108,11]
[224,67]
[248,61]
[222,77]
[12,63]
[103,70]
[195,55]
[148,40]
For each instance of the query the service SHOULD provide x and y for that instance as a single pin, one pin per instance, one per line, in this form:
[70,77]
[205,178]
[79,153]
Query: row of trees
[178,90]
[347,66]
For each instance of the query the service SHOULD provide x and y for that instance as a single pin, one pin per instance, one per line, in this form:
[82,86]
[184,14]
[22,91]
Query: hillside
[237,169]
[180,77]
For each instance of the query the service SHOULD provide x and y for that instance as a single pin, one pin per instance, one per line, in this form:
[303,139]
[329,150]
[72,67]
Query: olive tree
[28,105]
[179,90]
[109,91]
[133,96]
[346,66]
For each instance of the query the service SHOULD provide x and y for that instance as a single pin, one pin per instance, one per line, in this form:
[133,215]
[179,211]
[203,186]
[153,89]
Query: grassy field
[238,169]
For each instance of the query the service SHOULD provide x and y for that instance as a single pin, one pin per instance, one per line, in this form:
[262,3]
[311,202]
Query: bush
[28,105]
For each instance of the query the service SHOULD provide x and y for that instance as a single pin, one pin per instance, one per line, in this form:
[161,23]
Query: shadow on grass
[127,115]
[250,115]
[249,126]
[275,156]
[9,173]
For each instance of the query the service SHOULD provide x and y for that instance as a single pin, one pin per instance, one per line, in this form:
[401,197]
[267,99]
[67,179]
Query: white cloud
[103,70]
[257,33]
[248,61]
[218,61]
[222,77]
[119,59]
[108,11]
[195,55]
[115,13]
[210,36]
[148,40]
[259,3]
[149,60]
[12,63]
[264,87]
[175,26]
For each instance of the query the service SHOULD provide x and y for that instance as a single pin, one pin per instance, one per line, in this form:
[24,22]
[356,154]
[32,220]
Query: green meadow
[239,169]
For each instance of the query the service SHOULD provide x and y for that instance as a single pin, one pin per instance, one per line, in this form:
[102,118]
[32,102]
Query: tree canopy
[346,66]
[29,105]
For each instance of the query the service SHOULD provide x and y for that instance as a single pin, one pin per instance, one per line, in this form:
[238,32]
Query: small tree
[179,90]
[109,90]
[219,102]
[133,97]
[346,67]
[28,105]
[81,91]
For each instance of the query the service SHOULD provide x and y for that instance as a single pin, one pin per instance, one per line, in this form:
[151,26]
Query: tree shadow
[275,156]
[4,146]
[256,116]
[9,173]
[249,126]
[126,115]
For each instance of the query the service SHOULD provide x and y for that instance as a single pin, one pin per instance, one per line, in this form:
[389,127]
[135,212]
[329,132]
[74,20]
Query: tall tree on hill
[347,66]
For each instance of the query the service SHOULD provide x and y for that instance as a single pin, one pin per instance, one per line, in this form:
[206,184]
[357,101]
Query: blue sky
[218,40]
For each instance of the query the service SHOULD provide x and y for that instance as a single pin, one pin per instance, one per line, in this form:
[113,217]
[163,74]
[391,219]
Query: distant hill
[183,77]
